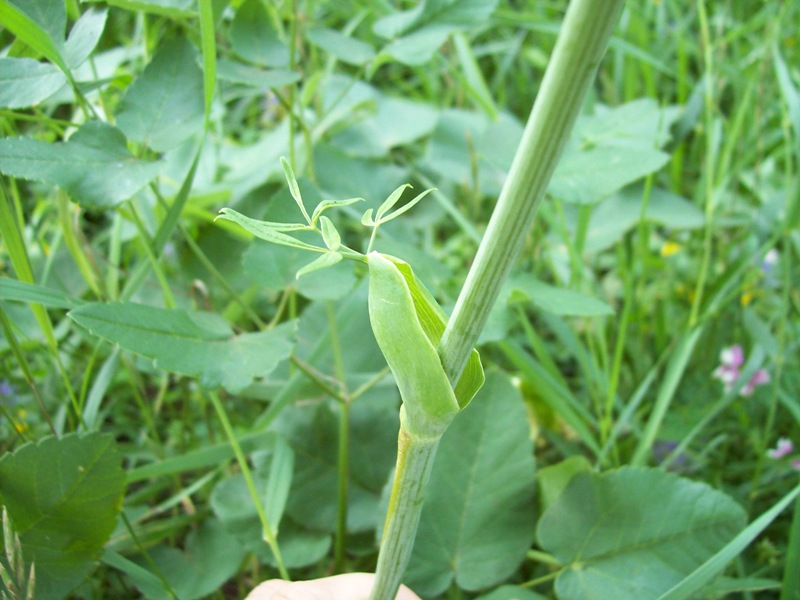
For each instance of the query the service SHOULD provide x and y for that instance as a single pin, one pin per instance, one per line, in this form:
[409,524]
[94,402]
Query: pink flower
[796,464]
[729,371]
[784,447]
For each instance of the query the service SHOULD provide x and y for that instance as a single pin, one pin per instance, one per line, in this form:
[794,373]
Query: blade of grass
[676,367]
[791,574]
[712,567]
[267,531]
[209,45]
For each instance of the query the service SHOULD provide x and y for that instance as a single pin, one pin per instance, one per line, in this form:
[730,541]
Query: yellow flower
[670,248]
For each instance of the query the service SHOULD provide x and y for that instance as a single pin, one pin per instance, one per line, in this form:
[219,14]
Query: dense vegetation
[171,394]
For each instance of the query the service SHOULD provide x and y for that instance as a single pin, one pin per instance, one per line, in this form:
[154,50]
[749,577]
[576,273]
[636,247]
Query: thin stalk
[581,43]
[267,531]
[343,454]
[414,465]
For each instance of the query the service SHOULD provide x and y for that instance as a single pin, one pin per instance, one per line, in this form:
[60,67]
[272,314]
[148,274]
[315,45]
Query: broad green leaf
[424,28]
[94,166]
[26,82]
[236,72]
[210,557]
[553,479]
[253,36]
[463,137]
[618,214]
[20,291]
[63,497]
[39,24]
[416,48]
[50,16]
[168,8]
[478,519]
[266,231]
[433,321]
[190,343]
[165,105]
[313,433]
[384,122]
[511,592]
[558,301]
[341,46]
[84,36]
[276,267]
[634,533]
[611,149]
[319,263]
[687,588]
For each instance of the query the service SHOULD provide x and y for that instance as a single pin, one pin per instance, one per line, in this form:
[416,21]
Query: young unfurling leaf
[294,189]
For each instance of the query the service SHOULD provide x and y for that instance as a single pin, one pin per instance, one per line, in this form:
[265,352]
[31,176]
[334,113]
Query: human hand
[350,586]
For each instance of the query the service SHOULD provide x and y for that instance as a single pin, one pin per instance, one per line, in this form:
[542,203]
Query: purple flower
[796,464]
[783,448]
[728,372]
[770,260]
[6,389]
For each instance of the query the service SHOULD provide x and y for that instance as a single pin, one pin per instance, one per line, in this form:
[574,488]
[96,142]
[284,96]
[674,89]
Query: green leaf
[40,24]
[553,479]
[191,343]
[687,588]
[326,204]
[341,46]
[390,201]
[558,301]
[634,533]
[20,291]
[425,27]
[313,433]
[236,72]
[611,149]
[94,167]
[294,189]
[511,592]
[168,8]
[330,235]
[429,403]
[478,522]
[26,82]
[50,16]
[165,105]
[616,215]
[268,231]
[433,321]
[321,262]
[84,36]
[210,557]
[63,496]
[253,36]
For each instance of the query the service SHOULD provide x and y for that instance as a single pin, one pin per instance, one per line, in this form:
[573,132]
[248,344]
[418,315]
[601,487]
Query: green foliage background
[168,386]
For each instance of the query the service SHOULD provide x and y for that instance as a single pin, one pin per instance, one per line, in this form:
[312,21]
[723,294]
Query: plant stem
[584,35]
[414,464]
[581,43]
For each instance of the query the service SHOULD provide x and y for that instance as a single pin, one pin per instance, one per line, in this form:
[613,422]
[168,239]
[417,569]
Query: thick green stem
[414,464]
[581,43]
